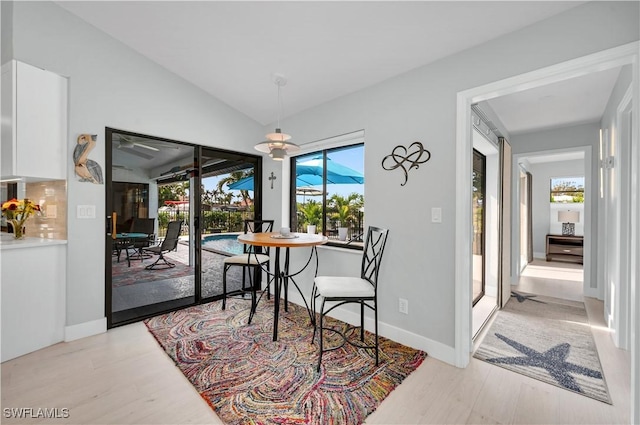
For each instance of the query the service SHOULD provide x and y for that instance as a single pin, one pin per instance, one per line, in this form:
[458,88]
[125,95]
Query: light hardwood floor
[123,377]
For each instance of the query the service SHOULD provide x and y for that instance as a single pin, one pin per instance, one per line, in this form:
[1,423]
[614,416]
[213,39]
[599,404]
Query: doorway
[159,188]
[611,58]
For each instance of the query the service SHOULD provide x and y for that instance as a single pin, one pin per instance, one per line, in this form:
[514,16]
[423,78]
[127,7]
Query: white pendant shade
[278,136]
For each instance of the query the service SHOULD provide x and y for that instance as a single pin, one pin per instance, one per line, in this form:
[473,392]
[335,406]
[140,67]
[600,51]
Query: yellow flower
[19,210]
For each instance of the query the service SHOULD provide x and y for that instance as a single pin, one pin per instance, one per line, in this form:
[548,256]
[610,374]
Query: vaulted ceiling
[232,50]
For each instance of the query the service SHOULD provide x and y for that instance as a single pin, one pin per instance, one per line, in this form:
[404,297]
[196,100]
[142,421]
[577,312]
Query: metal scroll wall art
[406,159]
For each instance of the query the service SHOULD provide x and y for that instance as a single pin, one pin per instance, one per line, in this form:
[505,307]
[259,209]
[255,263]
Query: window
[327,194]
[567,190]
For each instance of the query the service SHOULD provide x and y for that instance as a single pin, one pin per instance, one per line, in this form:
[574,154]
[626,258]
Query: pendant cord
[279,105]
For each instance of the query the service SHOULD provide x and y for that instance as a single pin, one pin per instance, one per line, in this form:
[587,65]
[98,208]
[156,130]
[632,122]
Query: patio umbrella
[247,182]
[307,191]
[242,184]
[311,171]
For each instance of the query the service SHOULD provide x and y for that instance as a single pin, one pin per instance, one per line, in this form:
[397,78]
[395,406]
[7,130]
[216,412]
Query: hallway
[564,280]
[552,278]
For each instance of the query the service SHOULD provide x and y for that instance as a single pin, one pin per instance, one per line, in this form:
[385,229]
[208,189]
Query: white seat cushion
[342,286]
[242,259]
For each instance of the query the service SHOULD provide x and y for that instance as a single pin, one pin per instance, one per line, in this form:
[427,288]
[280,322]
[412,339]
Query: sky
[352,158]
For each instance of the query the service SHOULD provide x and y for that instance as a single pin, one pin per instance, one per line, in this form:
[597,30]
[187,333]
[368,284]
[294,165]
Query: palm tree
[234,177]
[312,212]
[343,209]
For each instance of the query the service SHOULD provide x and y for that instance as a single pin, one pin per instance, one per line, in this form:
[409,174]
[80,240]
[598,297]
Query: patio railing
[212,221]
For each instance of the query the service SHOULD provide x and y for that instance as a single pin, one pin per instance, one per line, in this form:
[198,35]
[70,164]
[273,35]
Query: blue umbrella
[245,183]
[309,173]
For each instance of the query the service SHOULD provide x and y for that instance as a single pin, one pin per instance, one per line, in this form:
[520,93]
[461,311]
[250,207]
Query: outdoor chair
[252,258]
[342,290]
[169,243]
[146,226]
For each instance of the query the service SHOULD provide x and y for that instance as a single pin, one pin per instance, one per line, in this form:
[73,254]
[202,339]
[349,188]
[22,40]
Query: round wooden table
[280,275]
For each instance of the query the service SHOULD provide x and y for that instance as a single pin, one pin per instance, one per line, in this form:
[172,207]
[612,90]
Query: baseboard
[434,349]
[592,293]
[83,330]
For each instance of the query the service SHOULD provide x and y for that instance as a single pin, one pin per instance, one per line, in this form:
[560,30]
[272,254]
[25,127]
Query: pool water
[223,243]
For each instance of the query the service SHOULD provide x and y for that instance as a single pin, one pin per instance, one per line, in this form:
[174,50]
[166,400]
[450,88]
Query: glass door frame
[483,184]
[195,215]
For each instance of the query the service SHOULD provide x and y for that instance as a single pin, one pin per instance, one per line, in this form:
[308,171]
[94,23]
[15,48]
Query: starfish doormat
[547,339]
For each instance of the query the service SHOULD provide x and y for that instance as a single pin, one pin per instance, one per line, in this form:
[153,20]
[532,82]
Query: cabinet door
[41,123]
[7,152]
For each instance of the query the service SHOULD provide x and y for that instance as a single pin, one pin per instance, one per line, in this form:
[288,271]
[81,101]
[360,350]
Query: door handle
[111,225]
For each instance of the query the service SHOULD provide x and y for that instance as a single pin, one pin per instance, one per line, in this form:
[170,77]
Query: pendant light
[277,144]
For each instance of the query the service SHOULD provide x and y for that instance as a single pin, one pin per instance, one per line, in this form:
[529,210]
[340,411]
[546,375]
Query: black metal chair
[362,290]
[146,226]
[169,243]
[252,258]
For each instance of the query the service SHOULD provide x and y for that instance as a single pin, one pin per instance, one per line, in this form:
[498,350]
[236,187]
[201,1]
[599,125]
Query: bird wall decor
[87,169]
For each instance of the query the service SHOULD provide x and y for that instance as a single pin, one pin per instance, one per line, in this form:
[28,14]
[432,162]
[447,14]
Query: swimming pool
[223,243]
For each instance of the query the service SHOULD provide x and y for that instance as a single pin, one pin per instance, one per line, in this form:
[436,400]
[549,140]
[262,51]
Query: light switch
[436,215]
[86,211]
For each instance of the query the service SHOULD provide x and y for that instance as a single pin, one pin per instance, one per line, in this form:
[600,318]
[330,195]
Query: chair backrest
[143,225]
[372,255]
[170,241]
[257,226]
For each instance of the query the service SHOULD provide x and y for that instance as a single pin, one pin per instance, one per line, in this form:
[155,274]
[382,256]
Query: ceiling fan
[133,147]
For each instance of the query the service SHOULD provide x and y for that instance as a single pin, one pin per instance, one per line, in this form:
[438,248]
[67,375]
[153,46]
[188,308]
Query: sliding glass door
[150,266]
[174,211]
[230,193]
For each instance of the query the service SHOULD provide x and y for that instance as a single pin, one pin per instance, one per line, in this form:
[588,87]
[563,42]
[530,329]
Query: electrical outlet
[403,306]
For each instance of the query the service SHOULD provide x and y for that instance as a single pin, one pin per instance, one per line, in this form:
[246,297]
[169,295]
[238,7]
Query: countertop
[8,242]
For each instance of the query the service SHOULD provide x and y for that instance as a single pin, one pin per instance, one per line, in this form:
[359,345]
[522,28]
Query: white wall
[111,85]
[614,223]
[420,105]
[544,213]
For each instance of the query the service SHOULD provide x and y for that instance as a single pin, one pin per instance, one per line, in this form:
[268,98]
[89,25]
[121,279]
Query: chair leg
[168,264]
[320,330]
[244,278]
[268,268]
[253,293]
[224,286]
[313,311]
[375,311]
[362,321]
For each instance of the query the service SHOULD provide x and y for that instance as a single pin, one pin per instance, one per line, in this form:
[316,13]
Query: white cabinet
[34,123]
[32,293]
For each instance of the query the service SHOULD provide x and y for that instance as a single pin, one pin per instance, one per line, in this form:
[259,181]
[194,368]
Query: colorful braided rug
[249,379]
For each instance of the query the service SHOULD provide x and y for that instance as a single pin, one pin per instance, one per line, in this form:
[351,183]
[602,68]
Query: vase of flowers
[17,213]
